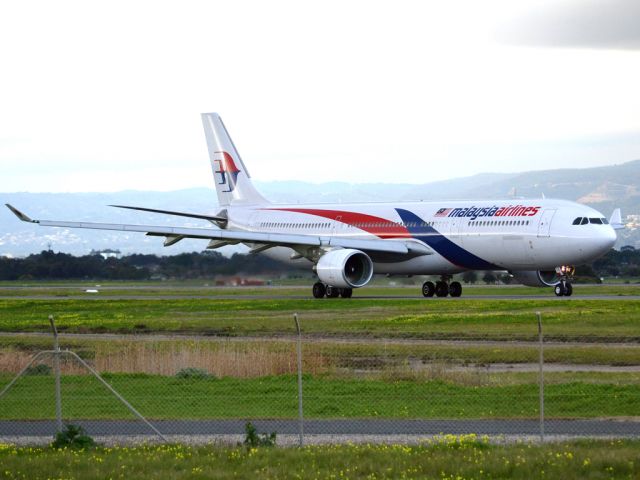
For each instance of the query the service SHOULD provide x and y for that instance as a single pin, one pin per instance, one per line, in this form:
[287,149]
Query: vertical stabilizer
[233,184]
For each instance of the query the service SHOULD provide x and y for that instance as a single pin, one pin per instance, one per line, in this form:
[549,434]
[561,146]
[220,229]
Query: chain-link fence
[354,388]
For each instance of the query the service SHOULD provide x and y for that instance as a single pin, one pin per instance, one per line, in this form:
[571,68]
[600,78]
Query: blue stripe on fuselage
[441,244]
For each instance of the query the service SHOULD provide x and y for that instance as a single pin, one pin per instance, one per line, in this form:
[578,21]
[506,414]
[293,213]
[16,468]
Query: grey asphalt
[356,297]
[341,427]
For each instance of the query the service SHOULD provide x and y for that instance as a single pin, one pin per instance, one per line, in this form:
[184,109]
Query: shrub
[253,439]
[73,436]
[192,373]
[39,369]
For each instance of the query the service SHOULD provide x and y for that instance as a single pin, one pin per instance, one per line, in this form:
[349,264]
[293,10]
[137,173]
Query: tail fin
[233,184]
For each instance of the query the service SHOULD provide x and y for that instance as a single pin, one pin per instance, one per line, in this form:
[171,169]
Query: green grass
[420,318]
[450,457]
[161,397]
[195,288]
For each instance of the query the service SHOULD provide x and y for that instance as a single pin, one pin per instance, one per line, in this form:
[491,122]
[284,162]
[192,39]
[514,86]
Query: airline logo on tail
[227,170]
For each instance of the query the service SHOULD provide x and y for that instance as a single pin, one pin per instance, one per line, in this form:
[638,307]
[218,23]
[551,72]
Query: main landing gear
[320,290]
[564,288]
[442,288]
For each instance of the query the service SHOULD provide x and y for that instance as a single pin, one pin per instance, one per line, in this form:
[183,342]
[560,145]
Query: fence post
[299,355]
[56,367]
[541,374]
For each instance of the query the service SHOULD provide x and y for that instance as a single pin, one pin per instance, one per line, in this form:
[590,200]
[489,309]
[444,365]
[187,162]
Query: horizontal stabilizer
[616,220]
[212,218]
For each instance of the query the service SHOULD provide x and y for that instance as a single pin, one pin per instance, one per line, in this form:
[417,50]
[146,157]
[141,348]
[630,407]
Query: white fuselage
[464,235]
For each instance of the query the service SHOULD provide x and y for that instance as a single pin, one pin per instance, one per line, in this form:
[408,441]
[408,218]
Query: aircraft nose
[606,239]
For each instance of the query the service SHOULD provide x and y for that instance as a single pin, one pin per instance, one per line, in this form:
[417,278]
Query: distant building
[108,253]
[239,282]
[632,221]
[628,248]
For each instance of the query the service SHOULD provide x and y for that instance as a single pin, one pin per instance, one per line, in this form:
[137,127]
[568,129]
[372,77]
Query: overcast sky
[105,96]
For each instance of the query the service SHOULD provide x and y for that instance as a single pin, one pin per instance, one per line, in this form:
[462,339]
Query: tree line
[48,265]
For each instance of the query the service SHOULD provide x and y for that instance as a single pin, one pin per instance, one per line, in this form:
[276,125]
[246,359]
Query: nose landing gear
[442,288]
[564,287]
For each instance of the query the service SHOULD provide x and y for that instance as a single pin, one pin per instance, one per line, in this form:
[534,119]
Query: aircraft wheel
[332,292]
[559,290]
[455,289]
[319,290]
[346,292]
[568,289]
[442,289]
[428,289]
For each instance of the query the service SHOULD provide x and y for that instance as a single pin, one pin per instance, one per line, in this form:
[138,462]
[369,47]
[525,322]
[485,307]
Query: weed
[253,439]
[39,369]
[192,373]
[73,436]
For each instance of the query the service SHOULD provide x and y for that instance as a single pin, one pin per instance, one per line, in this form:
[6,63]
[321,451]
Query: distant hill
[604,188]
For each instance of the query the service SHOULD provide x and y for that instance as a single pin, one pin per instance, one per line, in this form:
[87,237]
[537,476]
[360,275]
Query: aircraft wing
[263,239]
[212,218]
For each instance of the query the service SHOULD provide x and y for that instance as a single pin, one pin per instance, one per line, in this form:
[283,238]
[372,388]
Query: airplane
[538,241]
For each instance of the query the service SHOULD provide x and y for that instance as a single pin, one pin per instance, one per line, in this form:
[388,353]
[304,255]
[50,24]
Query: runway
[355,298]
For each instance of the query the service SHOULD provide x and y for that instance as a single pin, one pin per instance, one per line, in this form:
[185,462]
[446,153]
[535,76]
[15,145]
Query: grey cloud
[606,24]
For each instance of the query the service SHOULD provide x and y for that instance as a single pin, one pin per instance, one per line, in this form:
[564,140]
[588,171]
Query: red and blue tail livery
[227,170]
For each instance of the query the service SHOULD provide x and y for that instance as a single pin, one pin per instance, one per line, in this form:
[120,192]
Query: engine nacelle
[345,268]
[537,278]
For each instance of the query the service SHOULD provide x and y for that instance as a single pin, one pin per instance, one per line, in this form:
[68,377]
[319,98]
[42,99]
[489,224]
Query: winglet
[19,214]
[616,220]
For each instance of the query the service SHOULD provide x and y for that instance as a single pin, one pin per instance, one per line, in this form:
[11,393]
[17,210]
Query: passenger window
[596,221]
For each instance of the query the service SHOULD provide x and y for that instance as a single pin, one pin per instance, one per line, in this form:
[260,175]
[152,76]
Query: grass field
[160,397]
[348,375]
[459,458]
[265,357]
[462,319]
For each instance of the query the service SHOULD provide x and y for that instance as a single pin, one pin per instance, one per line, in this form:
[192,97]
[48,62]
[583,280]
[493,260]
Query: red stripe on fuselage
[381,227]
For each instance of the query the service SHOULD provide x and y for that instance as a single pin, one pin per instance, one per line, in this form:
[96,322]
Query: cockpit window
[586,220]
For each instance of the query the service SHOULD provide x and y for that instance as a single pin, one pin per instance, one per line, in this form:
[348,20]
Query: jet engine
[537,278]
[345,268]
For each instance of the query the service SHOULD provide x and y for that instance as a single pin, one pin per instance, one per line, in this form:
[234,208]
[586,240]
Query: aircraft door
[544,226]
[455,230]
[253,221]
[336,225]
